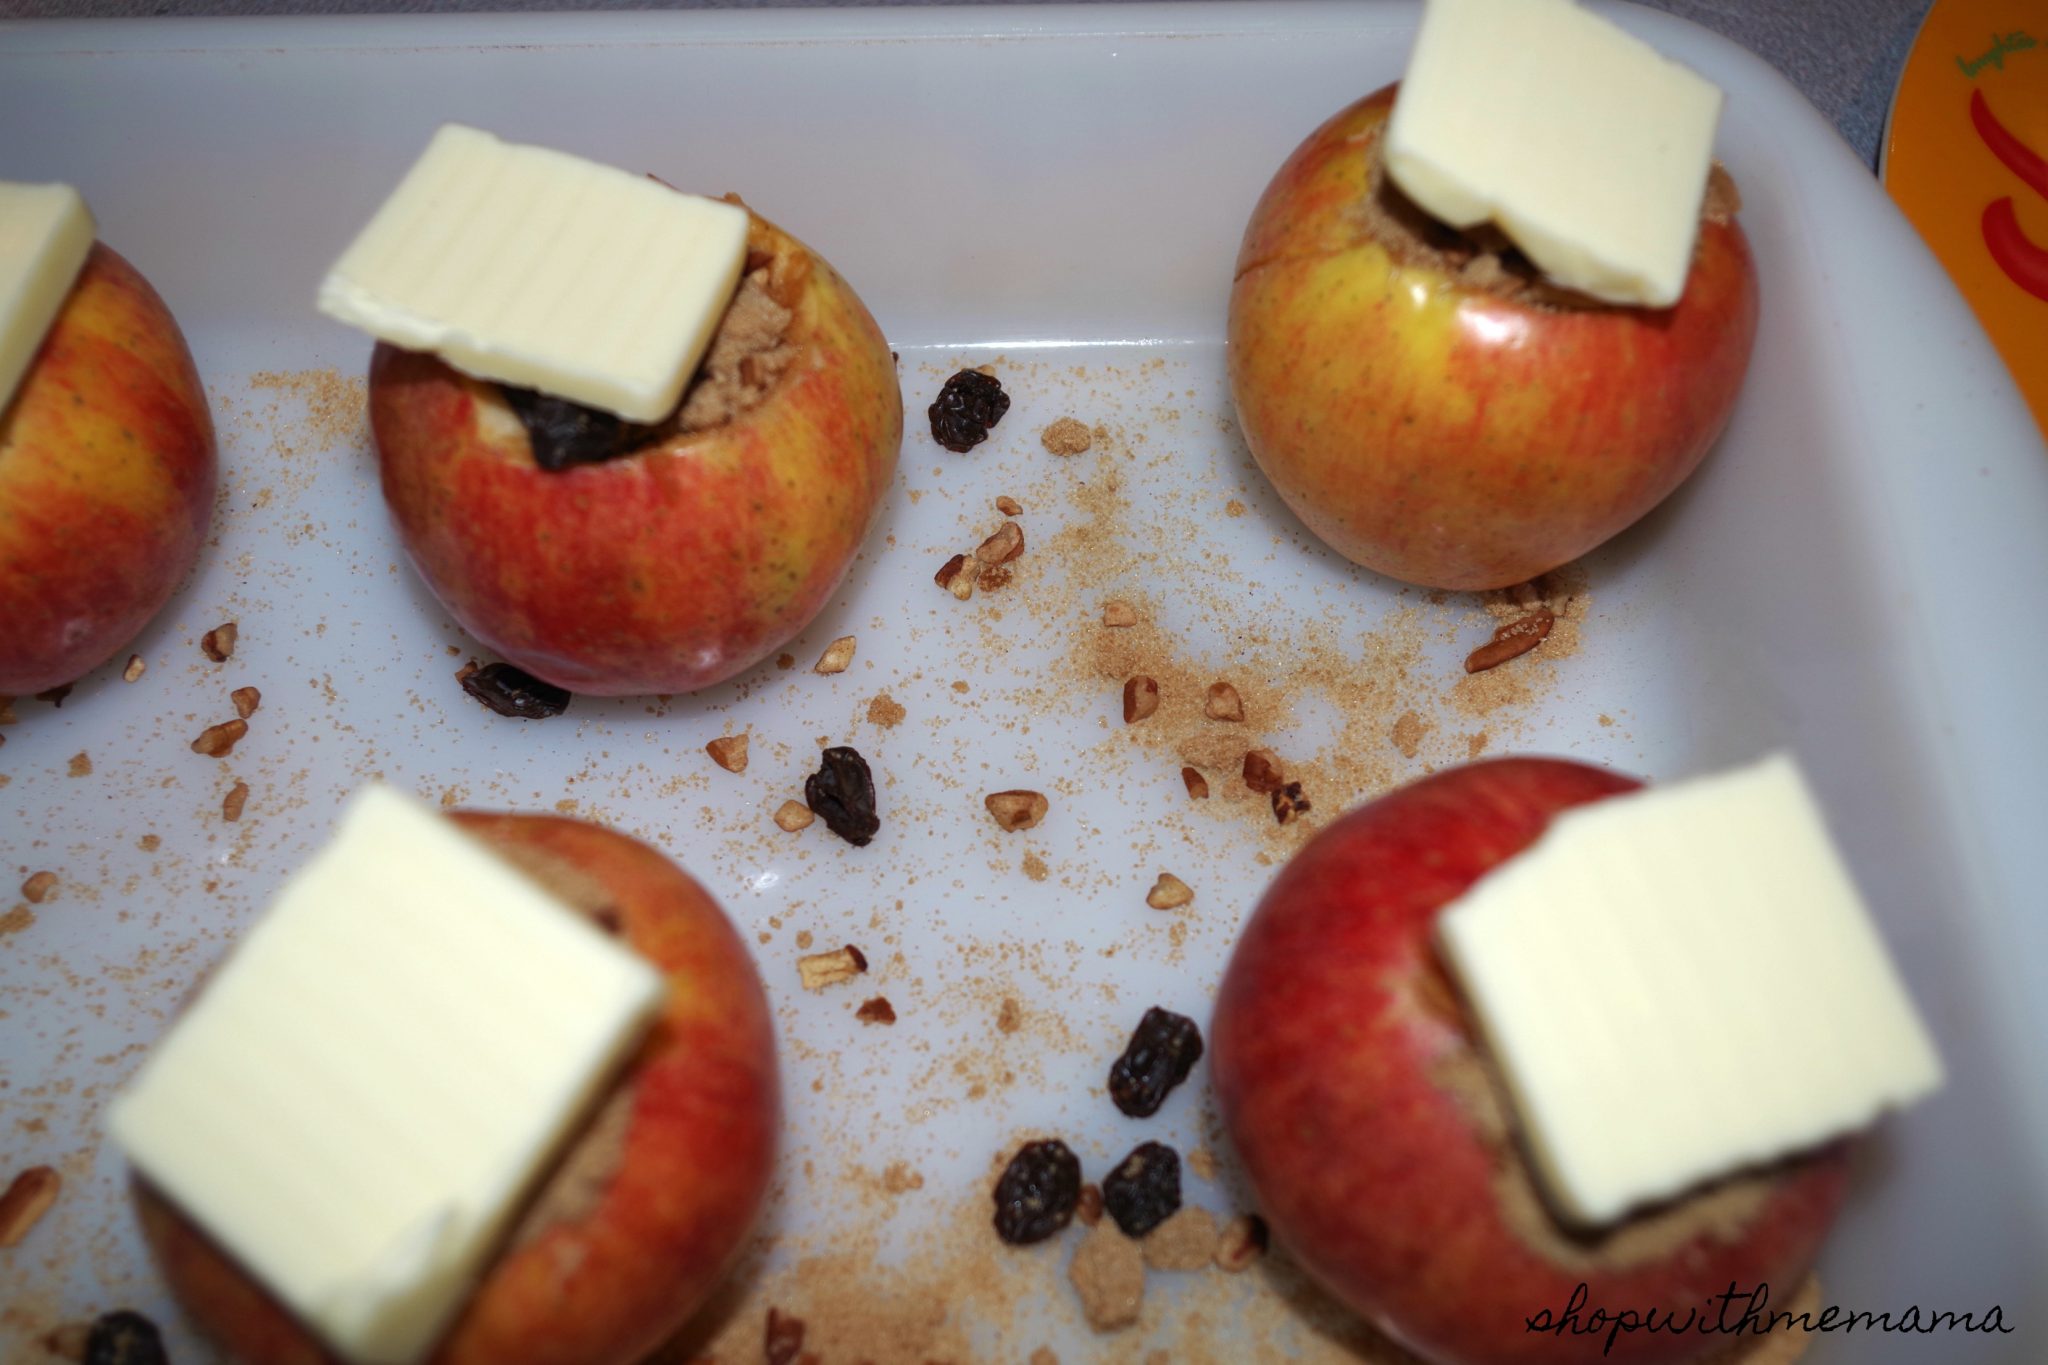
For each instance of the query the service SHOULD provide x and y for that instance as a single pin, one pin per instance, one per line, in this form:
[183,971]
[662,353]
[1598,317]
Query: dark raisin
[1163,1049]
[966,408]
[124,1338]
[1144,1189]
[514,692]
[564,433]
[785,1338]
[842,794]
[1036,1195]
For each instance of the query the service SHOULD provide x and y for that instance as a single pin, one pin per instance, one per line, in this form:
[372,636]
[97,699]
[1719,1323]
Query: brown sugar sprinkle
[876,1011]
[1408,733]
[1242,1241]
[1185,1241]
[1262,771]
[1511,641]
[1108,1272]
[1223,703]
[885,711]
[81,764]
[1141,698]
[957,576]
[1288,802]
[1015,810]
[217,740]
[218,644]
[1088,1208]
[792,816]
[836,657]
[785,661]
[729,752]
[137,665]
[1009,1016]
[38,887]
[784,1341]
[1197,785]
[1066,437]
[27,1199]
[232,805]
[1003,546]
[1009,506]
[246,700]
[1118,614]
[819,970]
[1169,893]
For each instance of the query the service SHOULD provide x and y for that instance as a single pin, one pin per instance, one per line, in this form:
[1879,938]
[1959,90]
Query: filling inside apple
[1483,258]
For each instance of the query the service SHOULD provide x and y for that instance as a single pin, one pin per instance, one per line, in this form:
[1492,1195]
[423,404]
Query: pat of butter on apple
[46,232]
[1681,982]
[1583,144]
[360,1099]
[539,269]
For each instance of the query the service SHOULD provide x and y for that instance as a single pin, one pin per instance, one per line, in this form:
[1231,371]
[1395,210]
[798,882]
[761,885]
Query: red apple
[1367,1118]
[107,472]
[671,568]
[1458,426]
[639,1222]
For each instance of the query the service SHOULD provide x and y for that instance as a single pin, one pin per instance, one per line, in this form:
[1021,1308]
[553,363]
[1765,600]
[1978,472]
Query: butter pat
[1584,145]
[1681,982]
[536,268]
[46,233]
[360,1098]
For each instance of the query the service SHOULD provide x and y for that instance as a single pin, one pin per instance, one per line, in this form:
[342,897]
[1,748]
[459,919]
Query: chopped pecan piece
[1009,506]
[1141,698]
[216,740]
[38,887]
[1002,547]
[836,657]
[793,816]
[1169,893]
[234,802]
[1511,641]
[1223,703]
[1197,785]
[1262,771]
[246,700]
[957,576]
[135,668]
[1288,802]
[218,644]
[729,752]
[1242,1241]
[876,1011]
[27,1199]
[819,970]
[1015,810]
[1118,614]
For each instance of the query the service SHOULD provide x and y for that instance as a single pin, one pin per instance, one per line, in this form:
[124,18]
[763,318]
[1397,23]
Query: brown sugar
[885,711]
[1108,1272]
[1408,733]
[748,354]
[1065,437]
[1185,1241]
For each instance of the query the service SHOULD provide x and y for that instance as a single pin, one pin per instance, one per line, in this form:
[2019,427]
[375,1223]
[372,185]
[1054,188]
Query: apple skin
[1333,1023]
[107,475]
[1447,436]
[608,1287]
[667,570]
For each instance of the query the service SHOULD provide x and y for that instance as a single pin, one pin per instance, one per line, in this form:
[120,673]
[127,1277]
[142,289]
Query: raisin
[1037,1192]
[1163,1049]
[1144,1189]
[842,794]
[124,1338]
[564,433]
[966,408]
[514,692]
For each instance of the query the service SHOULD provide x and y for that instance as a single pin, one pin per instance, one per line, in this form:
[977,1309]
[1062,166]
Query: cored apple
[1375,1131]
[677,565]
[107,473]
[639,1221]
[1436,412]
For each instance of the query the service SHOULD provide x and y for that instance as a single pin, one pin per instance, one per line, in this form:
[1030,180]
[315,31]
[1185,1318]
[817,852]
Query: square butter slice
[46,233]
[1583,144]
[1681,982]
[536,268]
[359,1099]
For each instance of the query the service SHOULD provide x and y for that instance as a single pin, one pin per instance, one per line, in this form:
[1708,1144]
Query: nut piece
[1009,506]
[1002,547]
[218,644]
[216,740]
[1197,785]
[1065,437]
[729,752]
[836,657]
[1223,703]
[1186,1241]
[820,970]
[134,670]
[1108,1272]
[1169,893]
[1242,1241]
[1511,641]
[1288,802]
[957,576]
[1262,771]
[38,888]
[793,816]
[1015,810]
[26,1201]
[1117,614]
[246,700]
[1089,1208]
[876,1011]
[232,804]
[1141,698]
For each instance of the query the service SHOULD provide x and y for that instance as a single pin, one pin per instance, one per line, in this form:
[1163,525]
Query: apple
[107,472]
[670,568]
[1459,427]
[643,1215]
[1352,1084]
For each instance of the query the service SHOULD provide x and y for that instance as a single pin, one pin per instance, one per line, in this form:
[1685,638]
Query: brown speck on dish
[1015,810]
[232,804]
[885,711]
[37,888]
[137,665]
[246,700]
[729,752]
[1065,437]
[1009,1016]
[1223,703]
[218,644]
[819,970]
[836,657]
[1233,508]
[785,661]
[1169,893]
[793,816]
[216,741]
[1118,614]
[1197,785]
[876,1011]
[81,764]
[28,1197]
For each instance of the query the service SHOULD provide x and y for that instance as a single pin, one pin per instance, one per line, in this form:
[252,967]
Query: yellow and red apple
[1460,428]
[1374,1131]
[645,1213]
[107,474]
[670,568]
